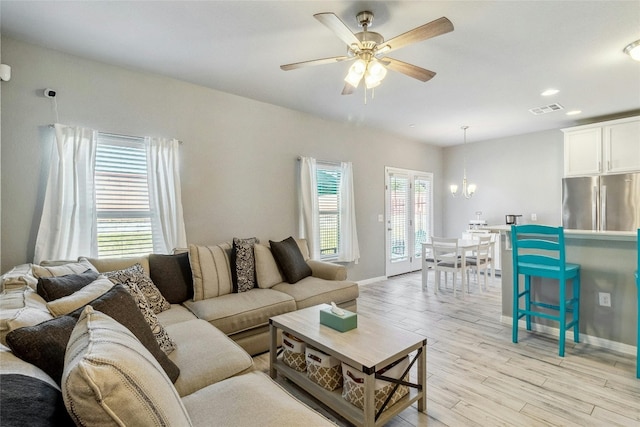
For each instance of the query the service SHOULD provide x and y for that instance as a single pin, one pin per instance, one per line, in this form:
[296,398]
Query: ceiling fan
[368,49]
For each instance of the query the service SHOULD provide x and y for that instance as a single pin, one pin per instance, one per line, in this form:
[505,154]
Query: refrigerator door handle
[594,207]
[603,203]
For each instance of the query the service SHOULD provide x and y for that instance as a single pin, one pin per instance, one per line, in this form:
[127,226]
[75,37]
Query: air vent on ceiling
[546,109]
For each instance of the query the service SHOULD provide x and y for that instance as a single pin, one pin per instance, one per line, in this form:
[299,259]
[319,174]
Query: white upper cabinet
[602,148]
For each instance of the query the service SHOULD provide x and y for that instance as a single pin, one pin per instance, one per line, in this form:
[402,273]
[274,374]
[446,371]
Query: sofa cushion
[250,399]
[80,298]
[111,264]
[238,312]
[178,313]
[136,275]
[62,270]
[119,304]
[211,270]
[205,356]
[44,344]
[243,267]
[111,378]
[172,275]
[19,308]
[29,401]
[313,291]
[290,259]
[53,288]
[267,270]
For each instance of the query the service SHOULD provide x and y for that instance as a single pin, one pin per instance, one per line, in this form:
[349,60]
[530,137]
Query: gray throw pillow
[290,260]
[29,401]
[172,275]
[44,344]
[53,288]
[244,269]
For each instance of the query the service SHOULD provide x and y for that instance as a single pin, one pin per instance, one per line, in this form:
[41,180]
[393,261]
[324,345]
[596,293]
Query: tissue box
[340,323]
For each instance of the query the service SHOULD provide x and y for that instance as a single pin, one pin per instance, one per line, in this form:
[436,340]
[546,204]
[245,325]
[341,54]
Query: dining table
[464,246]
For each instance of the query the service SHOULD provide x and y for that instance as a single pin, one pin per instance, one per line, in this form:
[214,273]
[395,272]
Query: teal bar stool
[538,250]
[638,308]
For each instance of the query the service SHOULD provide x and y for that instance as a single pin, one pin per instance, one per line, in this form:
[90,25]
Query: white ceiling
[490,70]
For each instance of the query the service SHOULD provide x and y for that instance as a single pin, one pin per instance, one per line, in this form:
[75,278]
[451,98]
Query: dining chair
[539,250]
[480,259]
[446,260]
[428,264]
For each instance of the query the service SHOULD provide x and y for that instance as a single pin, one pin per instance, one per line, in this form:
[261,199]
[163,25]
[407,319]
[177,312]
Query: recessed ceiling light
[573,112]
[549,92]
[412,125]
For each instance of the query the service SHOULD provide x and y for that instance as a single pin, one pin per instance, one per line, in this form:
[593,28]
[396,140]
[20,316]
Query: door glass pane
[422,213]
[399,198]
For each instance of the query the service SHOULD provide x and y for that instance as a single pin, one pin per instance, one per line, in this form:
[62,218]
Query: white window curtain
[68,225]
[349,250]
[165,198]
[309,220]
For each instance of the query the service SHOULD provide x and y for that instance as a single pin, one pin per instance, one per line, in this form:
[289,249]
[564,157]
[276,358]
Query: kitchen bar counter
[608,262]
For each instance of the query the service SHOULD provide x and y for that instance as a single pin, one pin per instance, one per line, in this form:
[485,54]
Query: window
[124,217]
[328,178]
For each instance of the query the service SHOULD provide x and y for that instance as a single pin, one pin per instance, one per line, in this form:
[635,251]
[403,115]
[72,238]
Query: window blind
[122,197]
[328,178]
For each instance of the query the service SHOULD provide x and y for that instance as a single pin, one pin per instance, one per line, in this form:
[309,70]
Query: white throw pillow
[62,270]
[110,378]
[211,270]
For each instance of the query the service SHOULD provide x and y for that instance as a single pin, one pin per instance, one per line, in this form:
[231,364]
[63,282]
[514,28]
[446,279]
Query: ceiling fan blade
[335,24]
[322,61]
[410,70]
[348,89]
[423,32]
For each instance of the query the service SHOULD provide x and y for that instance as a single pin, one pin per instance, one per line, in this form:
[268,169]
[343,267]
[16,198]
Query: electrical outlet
[534,217]
[604,299]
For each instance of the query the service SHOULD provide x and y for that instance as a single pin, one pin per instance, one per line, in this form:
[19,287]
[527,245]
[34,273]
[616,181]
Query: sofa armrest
[327,270]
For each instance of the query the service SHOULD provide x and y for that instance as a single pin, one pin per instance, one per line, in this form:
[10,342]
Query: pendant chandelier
[467,189]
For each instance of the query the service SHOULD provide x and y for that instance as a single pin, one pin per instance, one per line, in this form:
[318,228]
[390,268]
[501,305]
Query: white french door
[408,218]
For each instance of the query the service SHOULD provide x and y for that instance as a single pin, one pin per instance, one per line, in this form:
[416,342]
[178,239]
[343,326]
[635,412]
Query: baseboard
[584,338]
[370,281]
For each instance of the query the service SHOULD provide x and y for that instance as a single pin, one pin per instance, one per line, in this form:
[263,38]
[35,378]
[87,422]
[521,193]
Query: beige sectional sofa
[215,332]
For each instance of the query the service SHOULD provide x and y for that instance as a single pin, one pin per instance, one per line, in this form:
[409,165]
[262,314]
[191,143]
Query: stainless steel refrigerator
[603,203]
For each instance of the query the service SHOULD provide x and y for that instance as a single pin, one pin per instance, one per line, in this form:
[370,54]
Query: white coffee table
[370,347]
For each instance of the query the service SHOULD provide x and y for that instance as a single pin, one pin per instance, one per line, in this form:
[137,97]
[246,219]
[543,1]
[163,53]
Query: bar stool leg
[527,300]
[576,308]
[516,304]
[563,316]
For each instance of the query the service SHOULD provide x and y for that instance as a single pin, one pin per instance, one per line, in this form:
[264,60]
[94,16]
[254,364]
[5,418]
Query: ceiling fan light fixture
[633,50]
[356,72]
[374,75]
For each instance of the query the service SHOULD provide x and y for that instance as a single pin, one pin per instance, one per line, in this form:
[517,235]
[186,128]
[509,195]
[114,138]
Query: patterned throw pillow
[245,264]
[136,275]
[164,340]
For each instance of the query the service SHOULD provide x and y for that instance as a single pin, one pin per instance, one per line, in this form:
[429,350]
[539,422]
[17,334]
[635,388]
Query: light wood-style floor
[478,377]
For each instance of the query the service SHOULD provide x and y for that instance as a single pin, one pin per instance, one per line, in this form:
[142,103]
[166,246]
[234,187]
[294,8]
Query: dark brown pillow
[52,288]
[44,344]
[290,260]
[120,305]
[172,276]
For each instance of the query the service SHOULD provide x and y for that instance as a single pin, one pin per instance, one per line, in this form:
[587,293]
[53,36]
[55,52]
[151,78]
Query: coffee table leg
[273,351]
[369,400]
[422,379]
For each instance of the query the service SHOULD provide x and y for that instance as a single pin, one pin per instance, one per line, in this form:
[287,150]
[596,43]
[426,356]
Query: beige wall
[238,160]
